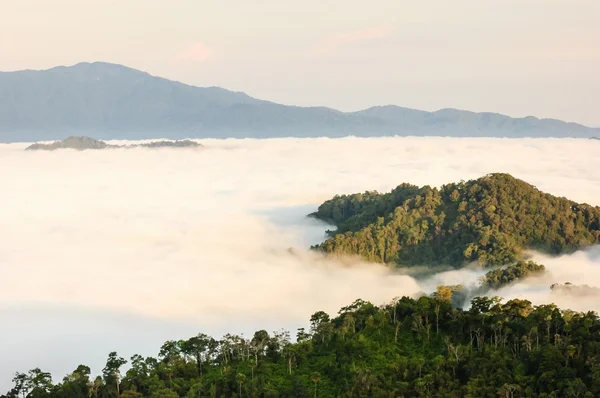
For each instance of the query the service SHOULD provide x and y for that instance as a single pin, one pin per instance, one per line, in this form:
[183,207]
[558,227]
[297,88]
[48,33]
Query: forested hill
[491,220]
[408,348]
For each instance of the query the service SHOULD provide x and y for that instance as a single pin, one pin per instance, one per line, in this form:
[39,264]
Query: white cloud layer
[123,249]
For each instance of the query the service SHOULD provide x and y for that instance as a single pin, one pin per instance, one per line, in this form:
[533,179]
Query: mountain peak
[97,67]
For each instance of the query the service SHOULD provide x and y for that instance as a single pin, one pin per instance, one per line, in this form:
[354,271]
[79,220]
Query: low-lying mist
[123,249]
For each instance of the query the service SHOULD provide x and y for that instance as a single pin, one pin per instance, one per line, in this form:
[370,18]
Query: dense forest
[491,220]
[504,276]
[421,347]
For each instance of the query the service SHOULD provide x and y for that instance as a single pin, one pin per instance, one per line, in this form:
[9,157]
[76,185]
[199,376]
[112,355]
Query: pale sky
[518,57]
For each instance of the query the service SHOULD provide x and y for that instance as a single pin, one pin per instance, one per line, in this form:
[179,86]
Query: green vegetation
[354,212]
[505,276]
[408,348]
[492,220]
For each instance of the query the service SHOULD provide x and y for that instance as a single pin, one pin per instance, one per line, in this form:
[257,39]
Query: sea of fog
[123,249]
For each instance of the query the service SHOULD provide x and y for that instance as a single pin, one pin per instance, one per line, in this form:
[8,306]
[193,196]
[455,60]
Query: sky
[123,249]
[518,57]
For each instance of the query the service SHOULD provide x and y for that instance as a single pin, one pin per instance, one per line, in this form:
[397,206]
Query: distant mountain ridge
[110,101]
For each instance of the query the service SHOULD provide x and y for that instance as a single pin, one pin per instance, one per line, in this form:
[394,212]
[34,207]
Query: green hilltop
[492,220]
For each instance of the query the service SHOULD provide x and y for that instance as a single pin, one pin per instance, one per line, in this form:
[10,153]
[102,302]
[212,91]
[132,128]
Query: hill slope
[111,101]
[491,220]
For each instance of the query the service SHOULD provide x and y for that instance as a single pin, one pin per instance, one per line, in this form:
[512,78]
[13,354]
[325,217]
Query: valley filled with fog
[123,249]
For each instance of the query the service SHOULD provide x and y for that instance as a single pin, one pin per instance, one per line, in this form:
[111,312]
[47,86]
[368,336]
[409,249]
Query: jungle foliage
[421,347]
[492,220]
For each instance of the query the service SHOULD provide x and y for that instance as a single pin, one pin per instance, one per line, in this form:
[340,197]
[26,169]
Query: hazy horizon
[535,58]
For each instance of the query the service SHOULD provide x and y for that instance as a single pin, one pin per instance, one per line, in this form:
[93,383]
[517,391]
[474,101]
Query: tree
[111,372]
[315,379]
[39,383]
[508,390]
[165,393]
[76,384]
[95,386]
[131,394]
[320,325]
[443,297]
[576,388]
[21,385]
[240,379]
[259,342]
[196,347]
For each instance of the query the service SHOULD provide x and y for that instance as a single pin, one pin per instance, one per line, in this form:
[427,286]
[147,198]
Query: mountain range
[109,101]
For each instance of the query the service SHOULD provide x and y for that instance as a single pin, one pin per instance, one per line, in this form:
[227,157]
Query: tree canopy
[505,276]
[491,220]
[422,347]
